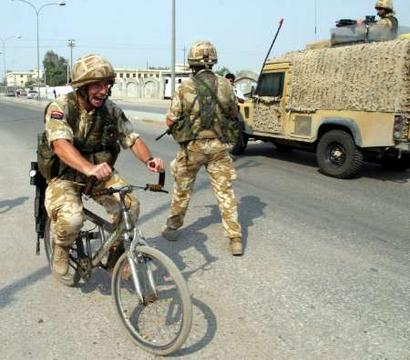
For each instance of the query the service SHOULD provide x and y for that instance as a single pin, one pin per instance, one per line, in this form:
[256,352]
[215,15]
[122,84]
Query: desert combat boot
[235,245]
[169,233]
[60,260]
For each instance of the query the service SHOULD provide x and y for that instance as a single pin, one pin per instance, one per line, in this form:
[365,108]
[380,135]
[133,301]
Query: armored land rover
[347,103]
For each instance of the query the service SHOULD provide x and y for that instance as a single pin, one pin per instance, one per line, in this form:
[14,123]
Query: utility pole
[71,44]
[173,50]
[68,73]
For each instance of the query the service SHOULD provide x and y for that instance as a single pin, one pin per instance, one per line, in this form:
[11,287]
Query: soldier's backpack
[182,131]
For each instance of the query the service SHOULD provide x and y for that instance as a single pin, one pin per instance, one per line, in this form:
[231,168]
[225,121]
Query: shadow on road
[6,293]
[7,205]
[210,329]
[306,158]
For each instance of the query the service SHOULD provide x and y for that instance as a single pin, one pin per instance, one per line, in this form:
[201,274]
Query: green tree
[55,69]
[30,83]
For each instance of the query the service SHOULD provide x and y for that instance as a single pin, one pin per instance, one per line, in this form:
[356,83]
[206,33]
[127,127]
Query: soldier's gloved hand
[155,164]
[100,171]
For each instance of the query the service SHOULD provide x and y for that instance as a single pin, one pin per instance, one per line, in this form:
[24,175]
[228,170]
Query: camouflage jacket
[187,100]
[96,134]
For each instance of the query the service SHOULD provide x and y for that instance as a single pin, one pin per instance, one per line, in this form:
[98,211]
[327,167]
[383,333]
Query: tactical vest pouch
[230,126]
[48,162]
[181,131]
[230,129]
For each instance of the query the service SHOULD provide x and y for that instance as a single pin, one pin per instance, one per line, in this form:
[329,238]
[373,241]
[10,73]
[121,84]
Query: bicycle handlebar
[92,180]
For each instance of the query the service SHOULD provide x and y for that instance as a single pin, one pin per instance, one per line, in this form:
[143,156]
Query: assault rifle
[40,214]
[166,132]
[369,20]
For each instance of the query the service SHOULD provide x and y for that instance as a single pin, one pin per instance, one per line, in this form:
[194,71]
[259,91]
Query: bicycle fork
[141,271]
[141,267]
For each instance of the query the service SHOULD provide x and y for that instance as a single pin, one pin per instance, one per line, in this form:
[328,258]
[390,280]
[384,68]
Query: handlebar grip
[161,179]
[89,185]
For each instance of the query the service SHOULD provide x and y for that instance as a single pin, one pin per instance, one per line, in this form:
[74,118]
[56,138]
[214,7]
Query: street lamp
[3,41]
[37,11]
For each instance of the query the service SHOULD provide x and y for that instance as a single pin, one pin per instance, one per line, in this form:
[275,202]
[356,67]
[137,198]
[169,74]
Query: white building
[146,83]
[18,79]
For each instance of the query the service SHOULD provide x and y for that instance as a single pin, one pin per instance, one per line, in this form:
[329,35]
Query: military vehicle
[349,103]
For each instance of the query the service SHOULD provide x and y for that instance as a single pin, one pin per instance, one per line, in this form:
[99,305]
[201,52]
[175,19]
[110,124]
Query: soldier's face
[98,92]
[381,12]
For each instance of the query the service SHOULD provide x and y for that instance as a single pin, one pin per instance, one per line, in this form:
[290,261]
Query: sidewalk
[133,115]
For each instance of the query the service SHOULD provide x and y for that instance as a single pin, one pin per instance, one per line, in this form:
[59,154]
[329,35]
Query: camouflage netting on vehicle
[364,77]
[267,116]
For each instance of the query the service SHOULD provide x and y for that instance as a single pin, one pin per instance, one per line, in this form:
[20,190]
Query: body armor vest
[99,145]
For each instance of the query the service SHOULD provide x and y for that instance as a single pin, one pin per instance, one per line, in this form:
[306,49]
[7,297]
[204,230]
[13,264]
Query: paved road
[325,274]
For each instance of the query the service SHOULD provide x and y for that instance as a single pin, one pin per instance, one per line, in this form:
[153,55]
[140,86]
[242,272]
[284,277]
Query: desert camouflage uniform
[208,151]
[63,196]
[388,22]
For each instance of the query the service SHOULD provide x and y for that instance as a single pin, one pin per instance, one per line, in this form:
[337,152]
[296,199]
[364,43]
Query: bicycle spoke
[161,320]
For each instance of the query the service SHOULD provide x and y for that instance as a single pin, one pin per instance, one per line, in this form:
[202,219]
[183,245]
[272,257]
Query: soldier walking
[201,115]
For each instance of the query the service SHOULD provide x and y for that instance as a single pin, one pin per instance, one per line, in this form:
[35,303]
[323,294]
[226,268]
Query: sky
[137,34]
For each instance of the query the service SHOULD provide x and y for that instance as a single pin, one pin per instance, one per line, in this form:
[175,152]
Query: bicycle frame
[132,235]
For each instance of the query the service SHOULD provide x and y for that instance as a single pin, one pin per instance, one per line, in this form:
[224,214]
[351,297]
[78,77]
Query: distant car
[32,94]
[10,93]
[23,93]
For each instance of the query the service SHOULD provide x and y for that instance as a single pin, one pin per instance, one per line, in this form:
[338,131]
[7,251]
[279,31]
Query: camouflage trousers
[65,208]
[214,156]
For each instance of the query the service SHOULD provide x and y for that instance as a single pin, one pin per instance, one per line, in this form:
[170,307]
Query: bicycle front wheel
[157,316]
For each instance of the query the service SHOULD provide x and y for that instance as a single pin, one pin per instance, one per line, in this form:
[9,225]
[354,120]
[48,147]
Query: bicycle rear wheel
[161,320]
[73,276]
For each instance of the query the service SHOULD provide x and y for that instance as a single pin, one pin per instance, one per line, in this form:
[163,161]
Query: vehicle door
[270,102]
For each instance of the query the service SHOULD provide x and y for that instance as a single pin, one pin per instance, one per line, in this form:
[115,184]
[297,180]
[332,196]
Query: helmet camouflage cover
[202,53]
[385,4]
[89,69]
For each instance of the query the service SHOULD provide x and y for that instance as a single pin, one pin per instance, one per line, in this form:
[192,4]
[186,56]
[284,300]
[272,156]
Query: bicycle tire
[73,276]
[184,310]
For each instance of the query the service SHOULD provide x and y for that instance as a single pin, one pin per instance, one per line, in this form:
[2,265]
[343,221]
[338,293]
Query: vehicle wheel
[161,319]
[239,147]
[338,155]
[396,164]
[73,276]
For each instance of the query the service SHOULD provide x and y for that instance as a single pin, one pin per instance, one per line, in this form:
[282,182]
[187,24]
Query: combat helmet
[385,4]
[202,53]
[89,69]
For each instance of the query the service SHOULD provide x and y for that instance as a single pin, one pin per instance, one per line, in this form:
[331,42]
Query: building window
[166,81]
[121,75]
[157,76]
[179,81]
[128,75]
[139,75]
[134,75]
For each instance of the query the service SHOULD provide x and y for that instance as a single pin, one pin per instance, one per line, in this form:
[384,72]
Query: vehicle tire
[338,155]
[73,276]
[396,164]
[168,308]
[239,147]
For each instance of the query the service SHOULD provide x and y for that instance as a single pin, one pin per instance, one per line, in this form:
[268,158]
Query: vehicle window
[271,84]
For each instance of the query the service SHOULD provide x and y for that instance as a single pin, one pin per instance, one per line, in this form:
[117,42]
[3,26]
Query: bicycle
[141,271]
